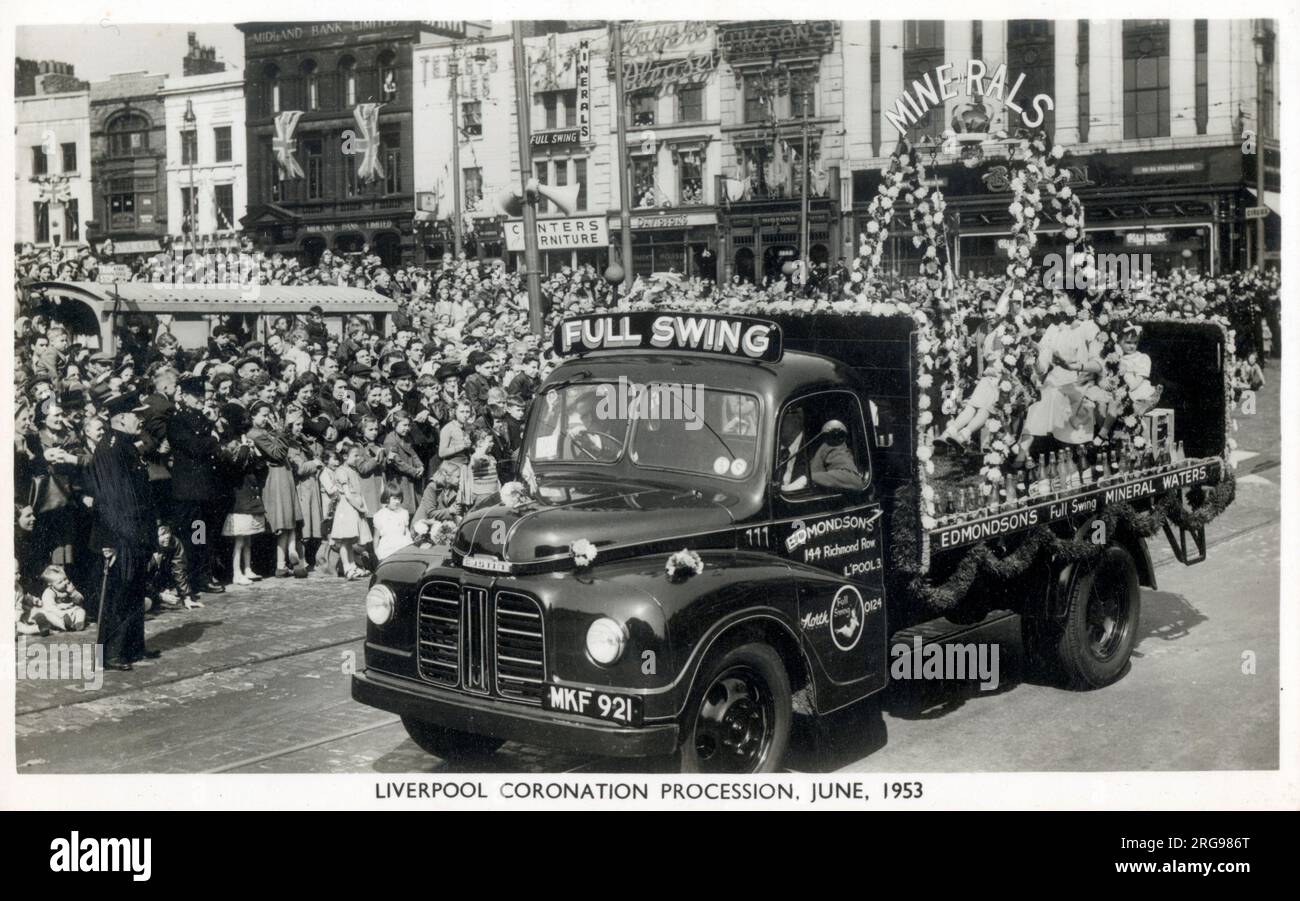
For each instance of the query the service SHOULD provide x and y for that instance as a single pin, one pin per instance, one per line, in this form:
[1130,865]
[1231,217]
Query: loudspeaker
[510,203]
[564,197]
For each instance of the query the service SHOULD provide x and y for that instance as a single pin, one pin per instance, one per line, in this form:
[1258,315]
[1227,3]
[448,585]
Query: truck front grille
[520,648]
[480,642]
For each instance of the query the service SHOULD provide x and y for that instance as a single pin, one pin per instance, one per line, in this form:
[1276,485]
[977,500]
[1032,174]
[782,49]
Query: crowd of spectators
[313,450]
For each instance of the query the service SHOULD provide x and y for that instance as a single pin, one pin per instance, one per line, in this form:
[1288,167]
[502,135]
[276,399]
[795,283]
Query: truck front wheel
[738,716]
[449,744]
[1093,644]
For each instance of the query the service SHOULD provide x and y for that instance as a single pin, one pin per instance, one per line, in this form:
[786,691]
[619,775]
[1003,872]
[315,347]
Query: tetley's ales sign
[948,82]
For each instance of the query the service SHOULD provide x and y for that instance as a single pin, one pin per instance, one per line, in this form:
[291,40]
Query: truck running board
[1179,544]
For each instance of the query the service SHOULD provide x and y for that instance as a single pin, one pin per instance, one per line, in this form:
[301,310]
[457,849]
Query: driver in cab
[832,464]
[584,441]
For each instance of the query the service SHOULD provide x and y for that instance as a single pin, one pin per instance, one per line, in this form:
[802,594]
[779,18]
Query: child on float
[975,411]
[1135,371]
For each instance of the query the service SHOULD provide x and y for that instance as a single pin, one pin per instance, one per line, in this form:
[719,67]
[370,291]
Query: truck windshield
[686,428]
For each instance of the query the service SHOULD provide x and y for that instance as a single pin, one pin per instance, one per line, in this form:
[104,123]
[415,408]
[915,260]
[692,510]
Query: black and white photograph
[828,413]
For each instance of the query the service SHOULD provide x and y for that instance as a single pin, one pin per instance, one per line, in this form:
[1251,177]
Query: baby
[62,607]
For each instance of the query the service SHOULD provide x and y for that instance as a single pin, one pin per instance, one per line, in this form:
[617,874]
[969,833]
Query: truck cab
[755,472]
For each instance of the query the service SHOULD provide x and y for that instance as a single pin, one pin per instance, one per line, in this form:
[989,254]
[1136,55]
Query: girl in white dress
[392,523]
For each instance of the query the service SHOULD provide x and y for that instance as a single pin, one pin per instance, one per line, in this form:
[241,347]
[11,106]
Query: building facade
[207,185]
[128,164]
[346,193]
[673,110]
[52,179]
[1164,120]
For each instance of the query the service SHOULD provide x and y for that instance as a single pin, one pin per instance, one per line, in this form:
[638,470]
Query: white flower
[925,418]
[1057,152]
[1065,193]
[923,402]
[995,476]
[925,380]
[928,522]
[873,227]
[929,467]
[514,494]
[683,563]
[927,492]
[924,452]
[583,551]
[993,425]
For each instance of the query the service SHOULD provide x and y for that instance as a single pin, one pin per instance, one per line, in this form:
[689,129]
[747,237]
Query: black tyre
[738,715]
[1093,644]
[449,744]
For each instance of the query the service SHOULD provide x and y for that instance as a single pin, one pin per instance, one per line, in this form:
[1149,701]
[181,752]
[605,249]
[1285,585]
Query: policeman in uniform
[126,530]
[197,494]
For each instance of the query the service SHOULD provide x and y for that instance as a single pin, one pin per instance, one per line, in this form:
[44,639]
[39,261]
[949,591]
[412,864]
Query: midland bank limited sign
[949,82]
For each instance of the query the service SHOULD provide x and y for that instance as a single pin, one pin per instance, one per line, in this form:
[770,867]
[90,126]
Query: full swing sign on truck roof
[661,584]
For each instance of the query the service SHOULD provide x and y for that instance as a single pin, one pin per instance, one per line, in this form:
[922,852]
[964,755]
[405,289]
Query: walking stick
[103,590]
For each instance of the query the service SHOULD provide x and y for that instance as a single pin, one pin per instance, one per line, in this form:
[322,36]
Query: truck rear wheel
[449,744]
[1093,644]
[738,716]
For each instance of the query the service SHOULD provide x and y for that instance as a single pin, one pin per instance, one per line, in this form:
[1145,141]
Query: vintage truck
[679,556]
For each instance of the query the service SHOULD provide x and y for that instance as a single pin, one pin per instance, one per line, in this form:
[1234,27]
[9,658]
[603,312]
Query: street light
[187,227]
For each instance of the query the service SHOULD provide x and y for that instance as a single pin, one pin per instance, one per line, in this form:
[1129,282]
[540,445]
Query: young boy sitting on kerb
[975,411]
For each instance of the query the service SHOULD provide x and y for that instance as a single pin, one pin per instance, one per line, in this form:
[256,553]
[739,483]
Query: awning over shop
[1272,199]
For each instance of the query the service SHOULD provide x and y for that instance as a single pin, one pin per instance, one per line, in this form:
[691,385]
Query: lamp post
[1263,58]
[453,69]
[523,110]
[624,164]
[188,226]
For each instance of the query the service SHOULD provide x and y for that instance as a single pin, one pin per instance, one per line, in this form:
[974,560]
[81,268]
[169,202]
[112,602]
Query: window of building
[580,178]
[1202,76]
[223,197]
[221,141]
[310,84]
[641,108]
[690,176]
[351,180]
[803,93]
[756,99]
[690,103]
[541,170]
[1085,92]
[271,168]
[977,39]
[472,179]
[69,157]
[471,118]
[314,150]
[1146,78]
[128,134]
[189,147]
[40,160]
[391,142]
[923,34]
[875,88]
[71,221]
[645,187]
[348,81]
[388,76]
[922,54]
[189,210]
[270,89]
[1031,50]
[42,221]
[121,202]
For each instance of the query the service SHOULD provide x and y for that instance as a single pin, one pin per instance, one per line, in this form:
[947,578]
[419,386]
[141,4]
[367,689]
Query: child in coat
[350,525]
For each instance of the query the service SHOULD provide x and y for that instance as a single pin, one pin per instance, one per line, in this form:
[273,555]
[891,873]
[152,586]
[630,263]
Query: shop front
[1176,209]
[762,238]
[669,241]
[308,236]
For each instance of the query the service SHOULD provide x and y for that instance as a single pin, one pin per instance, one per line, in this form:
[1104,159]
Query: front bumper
[511,722]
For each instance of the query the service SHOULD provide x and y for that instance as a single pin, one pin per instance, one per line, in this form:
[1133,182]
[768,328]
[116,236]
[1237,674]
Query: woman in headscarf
[279,493]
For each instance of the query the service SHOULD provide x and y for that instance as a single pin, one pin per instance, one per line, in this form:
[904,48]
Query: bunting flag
[369,168]
[53,189]
[737,189]
[283,143]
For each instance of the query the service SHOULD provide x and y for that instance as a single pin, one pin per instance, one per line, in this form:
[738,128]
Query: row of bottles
[1061,472]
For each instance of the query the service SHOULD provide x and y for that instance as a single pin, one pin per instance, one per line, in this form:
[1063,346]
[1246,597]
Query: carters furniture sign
[576,233]
[947,82]
[730,336]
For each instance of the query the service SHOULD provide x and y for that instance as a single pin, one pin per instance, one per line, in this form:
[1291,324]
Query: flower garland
[1042,544]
